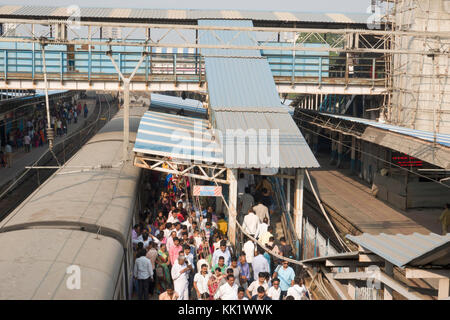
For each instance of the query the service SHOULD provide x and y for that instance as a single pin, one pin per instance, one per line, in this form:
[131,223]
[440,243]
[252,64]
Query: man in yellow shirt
[445,219]
[222,224]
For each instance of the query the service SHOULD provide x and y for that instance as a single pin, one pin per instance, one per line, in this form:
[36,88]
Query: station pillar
[315,144]
[353,155]
[333,148]
[340,148]
[126,118]
[298,202]
[232,205]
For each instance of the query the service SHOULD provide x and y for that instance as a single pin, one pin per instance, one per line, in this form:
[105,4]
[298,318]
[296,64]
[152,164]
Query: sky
[338,6]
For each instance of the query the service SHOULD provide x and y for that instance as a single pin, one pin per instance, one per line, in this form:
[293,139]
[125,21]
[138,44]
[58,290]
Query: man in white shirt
[262,212]
[173,217]
[188,224]
[241,294]
[228,291]
[167,230]
[201,281]
[260,264]
[251,223]
[143,272]
[274,291]
[249,249]
[180,279]
[265,237]
[298,290]
[222,252]
[262,228]
[253,287]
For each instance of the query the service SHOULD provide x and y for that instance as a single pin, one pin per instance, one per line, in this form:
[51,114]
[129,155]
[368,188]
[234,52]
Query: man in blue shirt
[244,271]
[286,275]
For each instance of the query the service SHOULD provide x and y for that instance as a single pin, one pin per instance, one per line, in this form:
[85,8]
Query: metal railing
[184,67]
[314,242]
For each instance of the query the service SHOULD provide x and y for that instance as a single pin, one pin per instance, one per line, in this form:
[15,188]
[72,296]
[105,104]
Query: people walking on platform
[143,272]
[187,244]
[9,154]
[179,272]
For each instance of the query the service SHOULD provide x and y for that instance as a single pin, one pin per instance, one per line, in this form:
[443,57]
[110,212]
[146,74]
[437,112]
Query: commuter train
[71,238]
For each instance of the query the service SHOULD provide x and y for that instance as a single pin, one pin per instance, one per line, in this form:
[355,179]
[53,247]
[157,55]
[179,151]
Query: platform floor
[352,198]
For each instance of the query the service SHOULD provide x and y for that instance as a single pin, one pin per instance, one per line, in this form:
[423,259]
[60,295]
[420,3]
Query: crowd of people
[34,131]
[183,252]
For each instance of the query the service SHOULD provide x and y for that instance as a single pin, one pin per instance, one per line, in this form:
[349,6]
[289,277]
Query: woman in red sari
[213,282]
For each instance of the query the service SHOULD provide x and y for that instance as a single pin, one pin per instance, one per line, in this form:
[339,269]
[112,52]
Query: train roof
[96,200]
[34,263]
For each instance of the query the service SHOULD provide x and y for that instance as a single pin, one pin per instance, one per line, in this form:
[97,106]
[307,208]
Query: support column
[232,203]
[389,270]
[444,288]
[126,118]
[353,155]
[316,141]
[359,158]
[288,195]
[298,202]
[333,148]
[340,148]
[351,286]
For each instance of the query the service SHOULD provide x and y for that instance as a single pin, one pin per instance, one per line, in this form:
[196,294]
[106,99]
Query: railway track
[29,180]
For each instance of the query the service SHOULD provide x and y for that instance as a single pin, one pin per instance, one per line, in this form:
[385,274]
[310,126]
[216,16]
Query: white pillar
[298,201]
[232,203]
[444,288]
[389,270]
[288,195]
[126,118]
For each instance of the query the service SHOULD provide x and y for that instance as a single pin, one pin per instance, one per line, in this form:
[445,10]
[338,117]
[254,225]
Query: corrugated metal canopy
[241,81]
[291,148]
[185,14]
[408,250]
[178,137]
[246,108]
[441,138]
[169,102]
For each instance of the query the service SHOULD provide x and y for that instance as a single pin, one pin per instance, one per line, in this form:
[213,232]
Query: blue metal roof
[239,79]
[441,138]
[401,250]
[178,137]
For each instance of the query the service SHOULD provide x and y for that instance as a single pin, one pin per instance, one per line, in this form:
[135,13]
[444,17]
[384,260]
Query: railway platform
[21,159]
[352,199]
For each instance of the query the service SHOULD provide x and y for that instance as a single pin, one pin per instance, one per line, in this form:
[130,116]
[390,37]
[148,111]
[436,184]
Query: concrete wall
[414,195]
